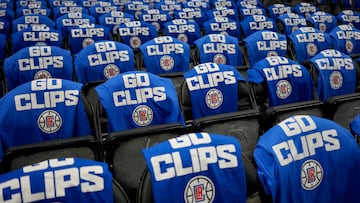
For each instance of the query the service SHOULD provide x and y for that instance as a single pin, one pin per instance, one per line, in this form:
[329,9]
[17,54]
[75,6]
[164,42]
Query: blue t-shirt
[337,73]
[249,10]
[287,81]
[62,10]
[195,14]
[308,41]
[349,17]
[103,60]
[323,21]
[137,99]
[35,35]
[185,30]
[277,10]
[255,23]
[37,62]
[197,167]
[114,19]
[23,11]
[98,10]
[135,33]
[223,12]
[58,180]
[305,9]
[155,17]
[213,89]
[301,159]
[66,21]
[24,22]
[41,110]
[291,22]
[262,44]
[220,49]
[346,39]
[85,35]
[165,55]
[223,25]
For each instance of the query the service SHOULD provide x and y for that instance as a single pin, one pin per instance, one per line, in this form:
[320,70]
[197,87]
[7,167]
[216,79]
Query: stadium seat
[43,110]
[113,20]
[193,180]
[345,40]
[145,192]
[123,150]
[157,18]
[323,21]
[288,23]
[222,25]
[290,171]
[227,108]
[255,23]
[283,87]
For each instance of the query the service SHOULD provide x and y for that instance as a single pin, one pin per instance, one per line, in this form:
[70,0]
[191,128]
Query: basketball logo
[283,89]
[311,49]
[336,80]
[199,189]
[87,42]
[167,62]
[42,74]
[311,174]
[142,115]
[322,27]
[349,46]
[182,37]
[219,59]
[272,53]
[49,121]
[111,70]
[135,42]
[214,98]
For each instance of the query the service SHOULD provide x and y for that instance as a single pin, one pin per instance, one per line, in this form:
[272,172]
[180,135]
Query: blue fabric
[37,62]
[213,89]
[185,30]
[337,74]
[196,14]
[135,33]
[41,110]
[246,11]
[221,49]
[262,44]
[62,10]
[98,10]
[287,81]
[197,167]
[291,22]
[27,11]
[305,9]
[255,23]
[323,21]
[349,17]
[35,35]
[300,159]
[58,180]
[346,39]
[112,20]
[66,21]
[82,36]
[165,55]
[223,25]
[28,20]
[103,60]
[276,10]
[156,17]
[222,12]
[137,99]
[308,42]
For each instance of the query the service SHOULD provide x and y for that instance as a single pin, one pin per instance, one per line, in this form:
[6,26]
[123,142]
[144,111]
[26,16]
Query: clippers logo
[311,49]
[311,174]
[272,53]
[111,70]
[214,98]
[49,121]
[167,62]
[157,25]
[42,74]
[283,89]
[336,80]
[349,46]
[183,37]
[199,189]
[219,59]
[87,42]
[322,27]
[135,42]
[142,115]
